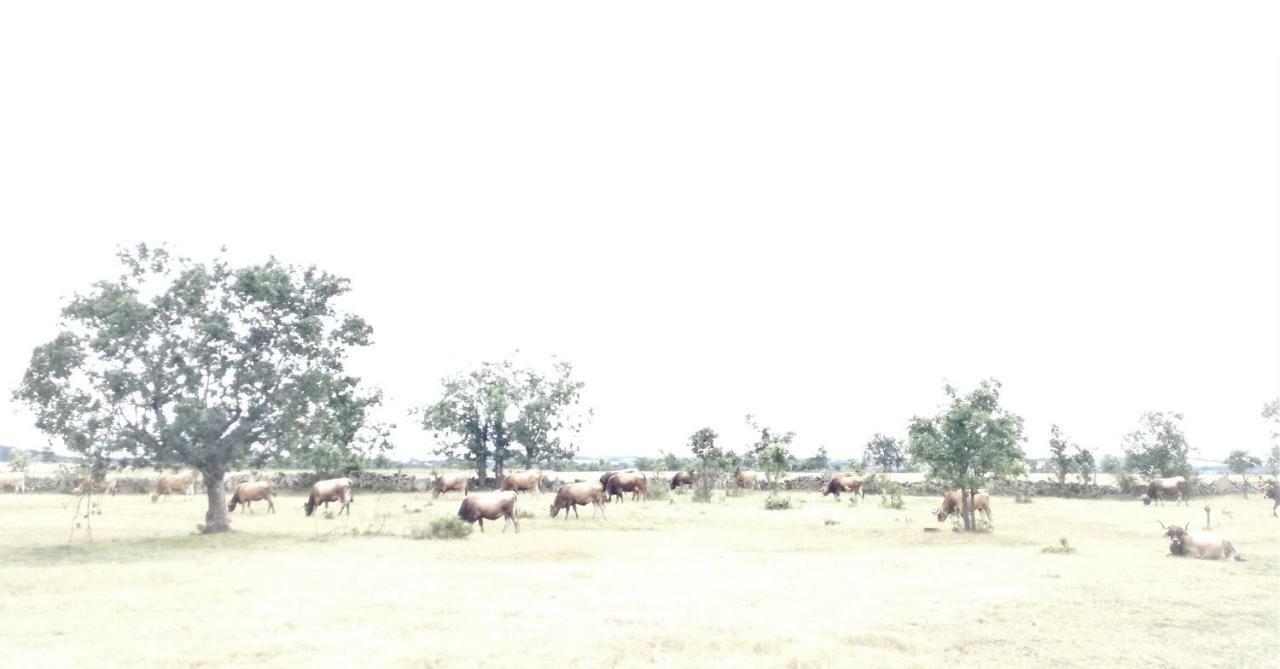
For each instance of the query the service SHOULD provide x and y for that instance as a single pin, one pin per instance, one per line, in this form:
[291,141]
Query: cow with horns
[1199,545]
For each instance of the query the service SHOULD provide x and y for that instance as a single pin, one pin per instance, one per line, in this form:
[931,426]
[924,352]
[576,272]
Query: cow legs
[271,506]
[481,521]
[575,513]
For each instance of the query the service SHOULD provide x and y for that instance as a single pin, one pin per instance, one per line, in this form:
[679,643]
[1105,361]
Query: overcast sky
[814,212]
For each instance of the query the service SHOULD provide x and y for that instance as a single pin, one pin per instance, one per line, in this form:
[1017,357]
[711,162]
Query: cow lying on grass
[1200,545]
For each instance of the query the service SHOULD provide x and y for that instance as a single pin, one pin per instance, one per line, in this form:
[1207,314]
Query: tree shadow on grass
[146,549]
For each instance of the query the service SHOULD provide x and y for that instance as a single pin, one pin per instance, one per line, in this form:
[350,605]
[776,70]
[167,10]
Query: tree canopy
[184,363]
[500,410]
[972,439]
[885,451]
[1158,447]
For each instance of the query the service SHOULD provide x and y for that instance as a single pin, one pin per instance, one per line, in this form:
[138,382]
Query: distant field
[672,584]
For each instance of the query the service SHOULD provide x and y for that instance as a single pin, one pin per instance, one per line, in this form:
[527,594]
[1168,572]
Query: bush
[1127,482]
[522,514]
[891,497]
[659,492]
[442,529]
[777,503]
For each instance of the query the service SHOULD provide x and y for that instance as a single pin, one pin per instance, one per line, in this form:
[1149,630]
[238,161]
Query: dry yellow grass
[671,584]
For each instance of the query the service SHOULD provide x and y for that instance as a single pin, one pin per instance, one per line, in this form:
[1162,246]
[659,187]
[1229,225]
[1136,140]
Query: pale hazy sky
[813,211]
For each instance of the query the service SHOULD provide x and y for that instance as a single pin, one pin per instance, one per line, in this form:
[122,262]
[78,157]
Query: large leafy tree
[499,410]
[204,365]
[971,439]
[1158,447]
[885,452]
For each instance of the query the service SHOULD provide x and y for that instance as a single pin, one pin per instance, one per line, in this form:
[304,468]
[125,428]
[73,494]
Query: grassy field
[669,583]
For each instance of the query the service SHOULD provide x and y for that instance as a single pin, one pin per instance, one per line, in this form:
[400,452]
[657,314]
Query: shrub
[658,492]
[442,529]
[777,503]
[830,521]
[522,514]
[891,497]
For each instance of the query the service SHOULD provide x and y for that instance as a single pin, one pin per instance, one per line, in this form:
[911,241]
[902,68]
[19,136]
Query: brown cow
[1201,545]
[952,502]
[1174,486]
[573,495]
[484,506]
[747,480]
[604,478]
[449,483]
[846,482]
[683,478]
[107,487]
[16,481]
[332,490]
[523,481]
[1272,492]
[635,483]
[168,484]
[249,492]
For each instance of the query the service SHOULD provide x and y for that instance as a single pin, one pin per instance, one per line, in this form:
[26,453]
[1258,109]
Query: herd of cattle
[613,485]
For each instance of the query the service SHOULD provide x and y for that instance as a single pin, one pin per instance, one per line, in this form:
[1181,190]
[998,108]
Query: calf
[573,495]
[332,490]
[1200,545]
[249,492]
[490,506]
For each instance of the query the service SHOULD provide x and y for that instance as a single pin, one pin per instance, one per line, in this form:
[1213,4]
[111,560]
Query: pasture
[664,583]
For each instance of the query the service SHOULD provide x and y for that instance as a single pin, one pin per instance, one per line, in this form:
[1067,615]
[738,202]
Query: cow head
[1177,537]
[556,510]
[1146,500]
[309,507]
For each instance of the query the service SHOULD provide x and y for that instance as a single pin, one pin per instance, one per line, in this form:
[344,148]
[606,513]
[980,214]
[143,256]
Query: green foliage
[710,462]
[766,436]
[47,454]
[819,462]
[972,439]
[1059,459]
[18,460]
[1273,461]
[1111,464]
[891,497]
[776,461]
[1084,465]
[1241,462]
[777,503]
[178,362]
[487,413]
[1158,447]
[885,451]
[672,462]
[647,464]
[442,529]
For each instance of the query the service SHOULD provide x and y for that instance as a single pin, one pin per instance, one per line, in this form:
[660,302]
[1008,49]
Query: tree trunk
[481,470]
[215,519]
[966,507]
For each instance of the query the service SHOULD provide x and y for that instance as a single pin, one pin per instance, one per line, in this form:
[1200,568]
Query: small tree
[972,439]
[1240,462]
[47,454]
[1059,459]
[765,436]
[1082,461]
[886,452]
[1158,447]
[709,461]
[1271,412]
[819,462]
[18,460]
[776,461]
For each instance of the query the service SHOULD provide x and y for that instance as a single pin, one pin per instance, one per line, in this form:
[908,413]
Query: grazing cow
[107,487]
[449,483]
[1272,492]
[484,506]
[1174,486]
[168,484]
[573,495]
[747,480]
[332,490]
[249,492]
[530,480]
[848,482]
[633,482]
[16,481]
[953,502]
[604,478]
[683,478]
[1201,545]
